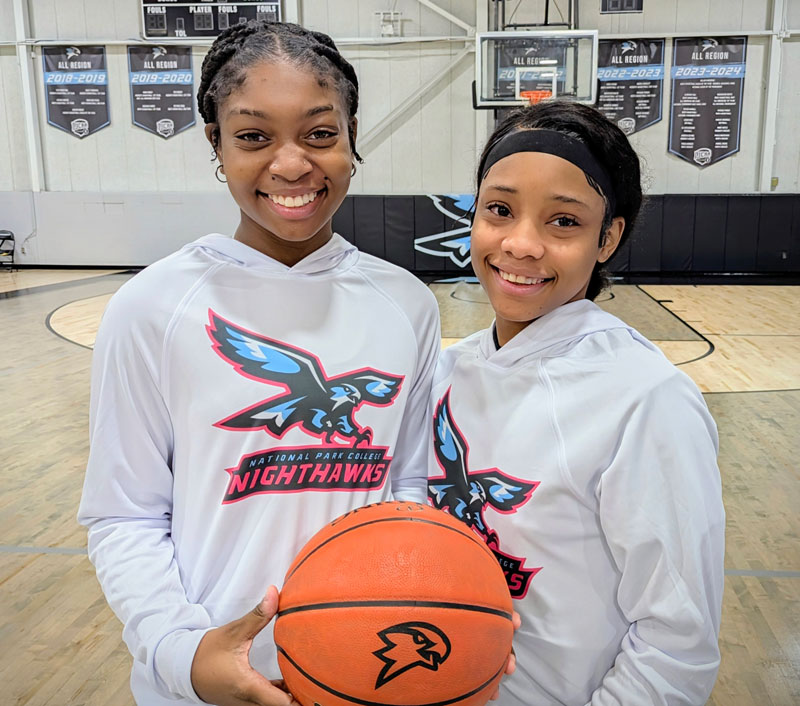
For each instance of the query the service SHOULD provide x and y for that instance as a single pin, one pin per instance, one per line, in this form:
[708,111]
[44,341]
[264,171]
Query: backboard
[514,68]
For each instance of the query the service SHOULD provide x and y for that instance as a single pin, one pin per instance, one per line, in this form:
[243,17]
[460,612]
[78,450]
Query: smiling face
[284,149]
[536,237]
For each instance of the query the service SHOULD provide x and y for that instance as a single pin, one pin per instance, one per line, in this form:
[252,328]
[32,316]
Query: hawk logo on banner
[452,244]
[72,53]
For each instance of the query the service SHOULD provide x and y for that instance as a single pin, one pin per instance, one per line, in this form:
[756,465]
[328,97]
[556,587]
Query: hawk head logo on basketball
[410,645]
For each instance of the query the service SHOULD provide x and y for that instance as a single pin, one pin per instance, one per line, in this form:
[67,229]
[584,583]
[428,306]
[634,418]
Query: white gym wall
[124,196]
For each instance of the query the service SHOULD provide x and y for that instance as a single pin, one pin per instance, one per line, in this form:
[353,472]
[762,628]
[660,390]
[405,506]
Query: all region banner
[76,88]
[162,88]
[707,89]
[631,75]
[527,67]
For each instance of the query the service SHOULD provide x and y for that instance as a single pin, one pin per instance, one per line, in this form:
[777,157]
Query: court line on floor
[50,328]
[13,293]
[13,549]
[661,303]
[763,573]
[750,392]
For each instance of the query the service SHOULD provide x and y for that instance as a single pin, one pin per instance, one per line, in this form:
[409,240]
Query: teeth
[519,279]
[293,201]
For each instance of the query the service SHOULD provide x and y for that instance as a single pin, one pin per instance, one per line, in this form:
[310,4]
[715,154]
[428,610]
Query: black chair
[7,245]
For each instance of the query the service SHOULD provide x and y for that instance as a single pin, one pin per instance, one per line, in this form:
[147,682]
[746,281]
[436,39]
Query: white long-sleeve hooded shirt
[588,462]
[237,406]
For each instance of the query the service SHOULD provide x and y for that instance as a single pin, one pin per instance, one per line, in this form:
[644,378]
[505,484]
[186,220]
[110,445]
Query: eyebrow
[247,111]
[319,109]
[562,198]
[258,114]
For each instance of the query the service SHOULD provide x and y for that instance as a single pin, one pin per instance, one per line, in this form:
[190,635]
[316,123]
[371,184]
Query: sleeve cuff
[173,662]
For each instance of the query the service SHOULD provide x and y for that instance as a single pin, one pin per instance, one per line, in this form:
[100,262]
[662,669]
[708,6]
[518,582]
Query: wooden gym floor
[59,642]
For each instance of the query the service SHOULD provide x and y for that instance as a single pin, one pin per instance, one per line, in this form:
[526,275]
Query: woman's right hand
[221,670]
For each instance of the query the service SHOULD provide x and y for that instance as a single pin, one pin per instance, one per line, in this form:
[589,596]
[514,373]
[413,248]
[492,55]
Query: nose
[524,239]
[289,162]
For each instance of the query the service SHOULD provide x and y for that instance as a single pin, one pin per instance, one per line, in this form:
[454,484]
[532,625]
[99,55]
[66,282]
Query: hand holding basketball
[221,671]
[395,603]
[511,664]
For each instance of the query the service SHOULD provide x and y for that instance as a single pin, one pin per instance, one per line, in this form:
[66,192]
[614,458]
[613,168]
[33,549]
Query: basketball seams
[396,604]
[364,702]
[464,533]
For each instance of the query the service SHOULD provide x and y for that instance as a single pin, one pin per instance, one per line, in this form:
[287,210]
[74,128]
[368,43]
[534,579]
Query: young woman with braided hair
[247,390]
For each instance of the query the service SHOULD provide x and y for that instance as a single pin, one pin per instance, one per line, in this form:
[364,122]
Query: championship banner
[631,75]
[162,87]
[76,88]
[707,89]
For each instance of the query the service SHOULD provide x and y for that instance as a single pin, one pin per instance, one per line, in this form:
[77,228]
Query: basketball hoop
[535,97]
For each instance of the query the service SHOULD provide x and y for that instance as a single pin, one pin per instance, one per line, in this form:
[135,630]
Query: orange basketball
[394,603]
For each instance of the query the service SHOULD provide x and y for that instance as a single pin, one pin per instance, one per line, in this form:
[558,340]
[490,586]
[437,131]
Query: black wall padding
[399,214]
[793,260]
[343,220]
[677,233]
[646,237]
[674,234]
[775,234]
[369,221]
[741,237]
[710,227]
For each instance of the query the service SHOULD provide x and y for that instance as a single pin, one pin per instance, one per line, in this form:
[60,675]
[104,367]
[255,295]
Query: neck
[287,252]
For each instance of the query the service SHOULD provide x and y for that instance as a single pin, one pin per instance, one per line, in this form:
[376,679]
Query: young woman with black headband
[566,439]
[234,380]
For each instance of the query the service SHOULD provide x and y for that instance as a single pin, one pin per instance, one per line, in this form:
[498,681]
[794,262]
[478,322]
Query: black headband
[555,143]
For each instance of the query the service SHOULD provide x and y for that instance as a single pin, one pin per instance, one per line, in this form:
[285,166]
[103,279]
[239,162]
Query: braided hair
[608,144]
[243,45]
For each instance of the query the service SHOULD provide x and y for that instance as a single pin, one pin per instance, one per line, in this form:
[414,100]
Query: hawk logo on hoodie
[466,494]
[320,406]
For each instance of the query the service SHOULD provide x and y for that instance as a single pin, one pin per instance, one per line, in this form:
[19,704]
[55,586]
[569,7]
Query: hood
[568,323]
[336,253]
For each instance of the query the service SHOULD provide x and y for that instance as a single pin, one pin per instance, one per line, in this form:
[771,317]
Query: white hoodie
[588,462]
[237,406]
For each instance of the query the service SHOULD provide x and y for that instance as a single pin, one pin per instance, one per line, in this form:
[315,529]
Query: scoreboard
[620,6]
[170,19]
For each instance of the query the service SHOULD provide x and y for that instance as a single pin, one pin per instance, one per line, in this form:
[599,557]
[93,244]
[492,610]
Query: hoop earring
[217,177]
[353,170]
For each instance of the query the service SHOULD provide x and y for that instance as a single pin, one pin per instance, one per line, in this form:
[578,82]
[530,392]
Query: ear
[611,239]
[212,135]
